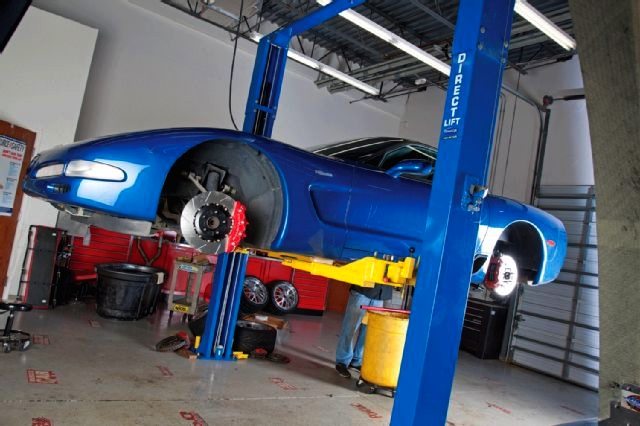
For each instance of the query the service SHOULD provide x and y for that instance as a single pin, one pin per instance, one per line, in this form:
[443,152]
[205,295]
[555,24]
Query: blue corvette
[345,201]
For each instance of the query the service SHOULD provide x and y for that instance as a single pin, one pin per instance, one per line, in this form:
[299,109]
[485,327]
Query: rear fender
[536,239]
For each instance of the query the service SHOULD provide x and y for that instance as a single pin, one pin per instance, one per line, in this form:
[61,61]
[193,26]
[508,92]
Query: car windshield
[380,153]
[355,149]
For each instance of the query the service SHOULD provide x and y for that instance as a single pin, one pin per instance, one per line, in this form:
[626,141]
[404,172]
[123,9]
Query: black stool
[14,339]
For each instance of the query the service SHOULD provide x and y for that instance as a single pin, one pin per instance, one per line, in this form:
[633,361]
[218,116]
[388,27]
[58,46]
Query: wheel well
[522,241]
[235,168]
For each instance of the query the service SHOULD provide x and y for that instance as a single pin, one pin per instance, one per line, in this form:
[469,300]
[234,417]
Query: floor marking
[165,371]
[322,349]
[368,411]
[282,384]
[41,377]
[94,324]
[41,421]
[497,407]
[193,417]
[40,339]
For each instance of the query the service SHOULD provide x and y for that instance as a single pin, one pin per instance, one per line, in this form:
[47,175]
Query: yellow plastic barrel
[383,345]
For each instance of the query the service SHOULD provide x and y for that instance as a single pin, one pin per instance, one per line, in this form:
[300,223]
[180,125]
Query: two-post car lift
[479,56]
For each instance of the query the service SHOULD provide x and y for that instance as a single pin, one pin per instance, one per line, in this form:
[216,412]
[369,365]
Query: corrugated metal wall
[557,325]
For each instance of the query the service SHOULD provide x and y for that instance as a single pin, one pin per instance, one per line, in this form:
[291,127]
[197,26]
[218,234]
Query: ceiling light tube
[323,68]
[544,24]
[392,38]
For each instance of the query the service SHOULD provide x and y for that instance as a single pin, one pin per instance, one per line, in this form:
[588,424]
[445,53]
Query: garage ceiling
[428,24]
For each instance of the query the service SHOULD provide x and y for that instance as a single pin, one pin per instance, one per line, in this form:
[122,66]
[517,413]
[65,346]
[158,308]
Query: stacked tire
[255,295]
[283,297]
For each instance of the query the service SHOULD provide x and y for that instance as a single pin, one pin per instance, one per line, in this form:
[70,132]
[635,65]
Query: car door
[387,214]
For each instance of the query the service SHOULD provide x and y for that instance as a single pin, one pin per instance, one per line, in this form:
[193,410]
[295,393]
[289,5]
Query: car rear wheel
[502,275]
[284,297]
[255,295]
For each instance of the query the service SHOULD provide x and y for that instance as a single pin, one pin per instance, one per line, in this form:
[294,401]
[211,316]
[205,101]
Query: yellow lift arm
[365,272]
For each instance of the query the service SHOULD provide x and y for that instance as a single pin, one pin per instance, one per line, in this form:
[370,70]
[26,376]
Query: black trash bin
[127,291]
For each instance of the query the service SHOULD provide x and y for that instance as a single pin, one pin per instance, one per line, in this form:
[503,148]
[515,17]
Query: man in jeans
[348,356]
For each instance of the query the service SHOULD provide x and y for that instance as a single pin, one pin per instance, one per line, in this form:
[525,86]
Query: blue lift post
[480,49]
[217,339]
[268,71]
[260,114]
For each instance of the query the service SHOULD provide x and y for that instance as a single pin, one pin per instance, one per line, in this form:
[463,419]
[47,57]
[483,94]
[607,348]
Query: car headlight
[50,170]
[93,170]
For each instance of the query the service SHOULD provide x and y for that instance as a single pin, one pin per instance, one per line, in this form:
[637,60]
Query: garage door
[556,325]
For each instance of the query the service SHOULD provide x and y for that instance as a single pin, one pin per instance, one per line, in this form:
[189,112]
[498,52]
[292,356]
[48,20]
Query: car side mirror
[414,167]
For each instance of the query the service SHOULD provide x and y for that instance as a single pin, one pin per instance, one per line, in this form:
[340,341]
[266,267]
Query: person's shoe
[343,371]
[355,367]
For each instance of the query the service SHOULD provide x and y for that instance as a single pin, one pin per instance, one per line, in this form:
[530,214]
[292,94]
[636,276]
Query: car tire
[255,295]
[197,325]
[170,344]
[252,335]
[283,297]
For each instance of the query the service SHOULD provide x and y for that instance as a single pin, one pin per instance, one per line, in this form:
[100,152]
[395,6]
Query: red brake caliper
[238,230]
[492,278]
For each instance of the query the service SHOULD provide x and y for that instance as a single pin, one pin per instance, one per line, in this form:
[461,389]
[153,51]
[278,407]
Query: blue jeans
[346,353]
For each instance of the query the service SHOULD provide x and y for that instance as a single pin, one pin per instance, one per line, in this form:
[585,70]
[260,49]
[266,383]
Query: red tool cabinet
[102,246]
[312,289]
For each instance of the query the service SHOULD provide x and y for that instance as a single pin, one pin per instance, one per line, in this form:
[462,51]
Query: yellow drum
[383,345]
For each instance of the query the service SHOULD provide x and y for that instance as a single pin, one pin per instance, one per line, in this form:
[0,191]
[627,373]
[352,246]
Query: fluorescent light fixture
[326,69]
[392,38]
[255,36]
[323,68]
[545,25]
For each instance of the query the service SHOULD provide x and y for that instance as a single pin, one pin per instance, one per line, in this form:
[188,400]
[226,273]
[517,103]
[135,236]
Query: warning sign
[12,153]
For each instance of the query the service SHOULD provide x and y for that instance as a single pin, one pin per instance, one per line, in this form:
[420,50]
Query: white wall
[422,118]
[43,73]
[157,67]
[568,158]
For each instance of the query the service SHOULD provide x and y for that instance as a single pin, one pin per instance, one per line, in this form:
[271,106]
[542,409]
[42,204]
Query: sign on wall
[12,153]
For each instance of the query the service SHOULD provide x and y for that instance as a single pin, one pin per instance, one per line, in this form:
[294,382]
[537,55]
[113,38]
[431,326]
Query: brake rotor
[213,223]
[502,274]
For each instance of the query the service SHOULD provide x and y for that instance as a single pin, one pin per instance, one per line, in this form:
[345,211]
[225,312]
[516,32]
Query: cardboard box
[271,320]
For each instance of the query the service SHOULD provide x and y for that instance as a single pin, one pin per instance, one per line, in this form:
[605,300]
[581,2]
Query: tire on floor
[253,335]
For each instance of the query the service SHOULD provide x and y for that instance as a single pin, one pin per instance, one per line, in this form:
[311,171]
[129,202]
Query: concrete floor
[107,374]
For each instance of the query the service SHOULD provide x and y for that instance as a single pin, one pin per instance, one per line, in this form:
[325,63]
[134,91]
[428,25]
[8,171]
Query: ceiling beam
[435,15]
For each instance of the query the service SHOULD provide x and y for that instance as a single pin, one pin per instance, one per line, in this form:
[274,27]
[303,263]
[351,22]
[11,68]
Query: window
[380,153]
[357,150]
[409,152]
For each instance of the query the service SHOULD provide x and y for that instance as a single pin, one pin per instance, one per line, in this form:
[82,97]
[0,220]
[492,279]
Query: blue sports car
[222,189]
